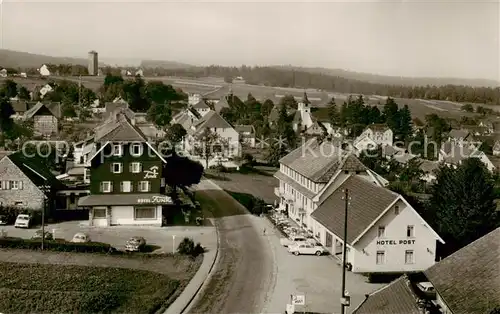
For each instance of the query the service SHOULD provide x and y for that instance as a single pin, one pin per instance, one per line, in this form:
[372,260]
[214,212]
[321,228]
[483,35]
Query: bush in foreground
[187,247]
[56,245]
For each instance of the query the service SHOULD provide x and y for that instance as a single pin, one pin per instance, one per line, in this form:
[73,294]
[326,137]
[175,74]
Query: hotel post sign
[394,242]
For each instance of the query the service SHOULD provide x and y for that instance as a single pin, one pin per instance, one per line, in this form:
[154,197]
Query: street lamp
[46,188]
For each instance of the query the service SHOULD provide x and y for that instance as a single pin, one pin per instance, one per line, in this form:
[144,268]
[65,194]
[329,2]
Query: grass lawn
[259,185]
[52,288]
[37,288]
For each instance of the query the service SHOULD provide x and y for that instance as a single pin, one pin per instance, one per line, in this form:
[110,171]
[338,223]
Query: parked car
[22,221]
[305,248]
[291,240]
[135,244]
[427,288]
[3,220]
[38,235]
[80,237]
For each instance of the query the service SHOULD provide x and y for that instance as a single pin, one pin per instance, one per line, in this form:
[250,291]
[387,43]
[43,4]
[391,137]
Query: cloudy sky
[406,38]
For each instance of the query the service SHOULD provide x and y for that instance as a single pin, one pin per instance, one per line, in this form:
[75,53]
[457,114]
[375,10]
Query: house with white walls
[226,137]
[3,73]
[453,154]
[374,135]
[44,70]
[202,107]
[45,90]
[385,233]
[303,119]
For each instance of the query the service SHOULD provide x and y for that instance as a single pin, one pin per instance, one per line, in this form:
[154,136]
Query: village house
[227,138]
[20,107]
[45,118]
[247,134]
[386,234]
[454,153]
[223,102]
[45,89]
[44,70]
[374,135]
[202,107]
[496,148]
[465,282]
[25,182]
[3,73]
[430,169]
[186,118]
[127,186]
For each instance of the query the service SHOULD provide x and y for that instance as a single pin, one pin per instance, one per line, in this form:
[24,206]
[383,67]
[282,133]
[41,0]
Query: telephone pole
[344,300]
[45,200]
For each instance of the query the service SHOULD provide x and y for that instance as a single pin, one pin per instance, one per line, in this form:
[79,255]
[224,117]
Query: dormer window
[117,150]
[136,150]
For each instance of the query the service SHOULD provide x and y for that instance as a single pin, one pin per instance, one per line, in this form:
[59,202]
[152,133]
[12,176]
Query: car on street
[135,244]
[427,289]
[305,248]
[38,235]
[80,237]
[3,220]
[22,221]
[292,239]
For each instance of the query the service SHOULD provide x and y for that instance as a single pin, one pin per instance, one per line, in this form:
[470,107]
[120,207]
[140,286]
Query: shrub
[187,247]
[56,245]
[10,214]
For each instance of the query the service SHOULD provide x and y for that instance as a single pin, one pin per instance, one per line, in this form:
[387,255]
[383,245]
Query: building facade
[374,135]
[385,234]
[93,63]
[127,186]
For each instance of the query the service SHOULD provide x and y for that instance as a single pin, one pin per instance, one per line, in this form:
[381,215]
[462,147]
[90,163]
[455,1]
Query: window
[117,150]
[135,167]
[126,186]
[144,213]
[144,186]
[99,212]
[72,198]
[380,257]
[409,257]
[16,185]
[18,203]
[410,231]
[116,167]
[381,232]
[396,209]
[136,150]
[106,186]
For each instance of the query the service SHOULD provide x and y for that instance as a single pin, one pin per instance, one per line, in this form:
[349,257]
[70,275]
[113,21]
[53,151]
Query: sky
[401,38]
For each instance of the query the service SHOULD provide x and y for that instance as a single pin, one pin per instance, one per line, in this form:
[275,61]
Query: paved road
[244,276]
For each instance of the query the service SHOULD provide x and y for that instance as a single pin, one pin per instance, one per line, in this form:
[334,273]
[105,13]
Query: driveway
[161,237]
[319,278]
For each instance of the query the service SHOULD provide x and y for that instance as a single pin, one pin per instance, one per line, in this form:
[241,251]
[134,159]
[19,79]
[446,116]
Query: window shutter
[7,185]
[130,167]
[101,188]
[131,186]
[149,186]
[20,185]
[112,168]
[110,186]
[121,187]
[140,167]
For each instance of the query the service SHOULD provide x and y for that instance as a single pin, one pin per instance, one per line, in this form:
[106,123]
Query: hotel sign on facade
[156,199]
[394,242]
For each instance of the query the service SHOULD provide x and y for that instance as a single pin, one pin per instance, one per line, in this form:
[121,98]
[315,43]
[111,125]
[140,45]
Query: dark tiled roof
[395,298]
[245,129]
[119,129]
[222,103]
[211,120]
[314,160]
[201,105]
[377,127]
[54,108]
[459,134]
[367,202]
[35,169]
[454,153]
[116,199]
[21,106]
[469,280]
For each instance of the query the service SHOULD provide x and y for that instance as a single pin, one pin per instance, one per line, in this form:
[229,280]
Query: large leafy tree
[9,88]
[6,112]
[160,115]
[462,203]
[175,133]
[23,93]
[160,93]
[208,144]
[182,171]
[135,94]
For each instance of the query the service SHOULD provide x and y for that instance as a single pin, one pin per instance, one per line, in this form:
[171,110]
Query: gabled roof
[35,169]
[54,108]
[194,112]
[119,129]
[211,120]
[454,153]
[245,129]
[377,127]
[397,297]
[468,280]
[21,106]
[112,108]
[458,134]
[201,105]
[368,201]
[315,161]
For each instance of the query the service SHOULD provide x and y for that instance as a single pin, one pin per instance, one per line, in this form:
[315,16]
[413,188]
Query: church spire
[305,100]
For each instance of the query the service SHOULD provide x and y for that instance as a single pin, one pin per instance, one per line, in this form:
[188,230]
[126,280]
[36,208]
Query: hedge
[56,245]
[11,213]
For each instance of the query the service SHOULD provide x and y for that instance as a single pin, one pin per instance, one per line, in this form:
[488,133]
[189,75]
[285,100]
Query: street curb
[184,301]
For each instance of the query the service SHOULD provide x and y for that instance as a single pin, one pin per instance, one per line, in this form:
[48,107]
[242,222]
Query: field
[216,88]
[260,185]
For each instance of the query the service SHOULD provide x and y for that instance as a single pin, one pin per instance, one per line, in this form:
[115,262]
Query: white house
[303,118]
[186,118]
[373,136]
[45,90]
[334,130]
[496,148]
[44,70]
[452,153]
[247,134]
[226,134]
[139,72]
[193,99]
[3,73]
[385,234]
[202,107]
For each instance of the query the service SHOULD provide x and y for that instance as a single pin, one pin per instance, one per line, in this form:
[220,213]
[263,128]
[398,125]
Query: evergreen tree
[391,114]
[333,113]
[462,204]
[404,130]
